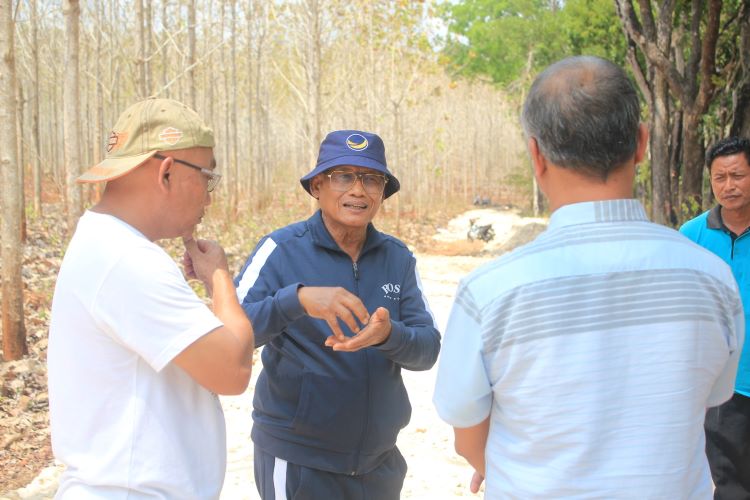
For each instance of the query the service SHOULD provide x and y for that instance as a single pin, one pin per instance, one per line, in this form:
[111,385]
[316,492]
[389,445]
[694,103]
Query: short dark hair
[728,147]
[584,113]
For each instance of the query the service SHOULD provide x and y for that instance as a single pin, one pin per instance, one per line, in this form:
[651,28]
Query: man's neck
[736,220]
[126,213]
[350,240]
[570,187]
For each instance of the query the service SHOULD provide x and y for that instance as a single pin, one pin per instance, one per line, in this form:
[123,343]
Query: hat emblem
[116,140]
[356,142]
[170,135]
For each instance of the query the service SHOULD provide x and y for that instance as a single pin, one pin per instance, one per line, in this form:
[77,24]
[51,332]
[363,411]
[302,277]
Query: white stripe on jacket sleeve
[250,276]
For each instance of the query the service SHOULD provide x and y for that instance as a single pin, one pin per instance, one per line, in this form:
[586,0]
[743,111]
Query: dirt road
[435,471]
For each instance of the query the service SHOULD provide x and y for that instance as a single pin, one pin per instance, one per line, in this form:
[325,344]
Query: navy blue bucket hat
[356,148]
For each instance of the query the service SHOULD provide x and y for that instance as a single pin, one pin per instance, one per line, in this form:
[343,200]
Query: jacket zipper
[367,413]
[355,269]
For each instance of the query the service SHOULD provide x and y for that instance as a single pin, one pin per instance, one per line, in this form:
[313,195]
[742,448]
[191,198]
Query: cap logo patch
[116,140]
[170,135]
[356,142]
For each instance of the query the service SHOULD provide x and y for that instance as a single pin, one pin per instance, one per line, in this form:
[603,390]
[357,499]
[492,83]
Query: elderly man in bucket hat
[135,357]
[340,309]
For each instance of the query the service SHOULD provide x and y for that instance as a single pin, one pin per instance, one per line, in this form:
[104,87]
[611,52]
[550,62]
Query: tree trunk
[741,123]
[147,32]
[675,162]
[251,92]
[55,128]
[165,48]
[21,159]
[191,53]
[14,335]
[234,158]
[312,74]
[98,108]
[691,187]
[141,37]
[661,210]
[741,98]
[36,163]
[226,156]
[71,122]
[263,103]
[311,63]
[208,74]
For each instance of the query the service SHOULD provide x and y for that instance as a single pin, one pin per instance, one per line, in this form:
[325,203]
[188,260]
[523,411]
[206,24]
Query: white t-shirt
[125,421]
[595,351]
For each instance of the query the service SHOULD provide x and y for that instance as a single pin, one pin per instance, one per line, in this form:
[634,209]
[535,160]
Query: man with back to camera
[724,231]
[581,364]
[135,357]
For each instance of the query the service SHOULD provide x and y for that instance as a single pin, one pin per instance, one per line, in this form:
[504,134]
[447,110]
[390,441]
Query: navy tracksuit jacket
[333,411]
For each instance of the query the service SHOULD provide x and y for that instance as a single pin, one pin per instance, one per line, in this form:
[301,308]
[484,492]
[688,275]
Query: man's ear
[315,186]
[164,172]
[538,161]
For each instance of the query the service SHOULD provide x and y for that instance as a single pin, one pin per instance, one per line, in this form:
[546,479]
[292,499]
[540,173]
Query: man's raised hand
[333,304]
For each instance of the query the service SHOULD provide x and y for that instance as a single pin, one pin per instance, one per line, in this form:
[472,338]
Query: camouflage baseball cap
[145,128]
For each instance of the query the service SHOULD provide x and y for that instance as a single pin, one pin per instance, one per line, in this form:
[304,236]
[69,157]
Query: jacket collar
[714,220]
[322,238]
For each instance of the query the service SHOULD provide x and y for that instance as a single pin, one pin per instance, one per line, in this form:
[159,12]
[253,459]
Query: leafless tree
[294,71]
[14,336]
[71,120]
[143,58]
[191,53]
[36,163]
[304,75]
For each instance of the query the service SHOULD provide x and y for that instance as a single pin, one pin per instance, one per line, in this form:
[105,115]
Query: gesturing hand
[332,304]
[376,331]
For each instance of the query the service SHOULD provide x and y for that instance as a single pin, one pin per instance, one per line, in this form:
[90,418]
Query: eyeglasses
[213,177]
[342,180]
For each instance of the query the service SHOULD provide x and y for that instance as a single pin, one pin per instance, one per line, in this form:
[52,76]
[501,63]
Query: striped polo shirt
[595,349]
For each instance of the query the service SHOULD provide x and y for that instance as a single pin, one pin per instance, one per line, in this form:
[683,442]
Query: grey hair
[584,113]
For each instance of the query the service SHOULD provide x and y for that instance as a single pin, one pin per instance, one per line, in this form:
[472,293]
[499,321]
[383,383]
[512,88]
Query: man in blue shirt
[724,231]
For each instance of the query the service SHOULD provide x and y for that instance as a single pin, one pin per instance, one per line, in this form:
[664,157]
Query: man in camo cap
[136,359]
